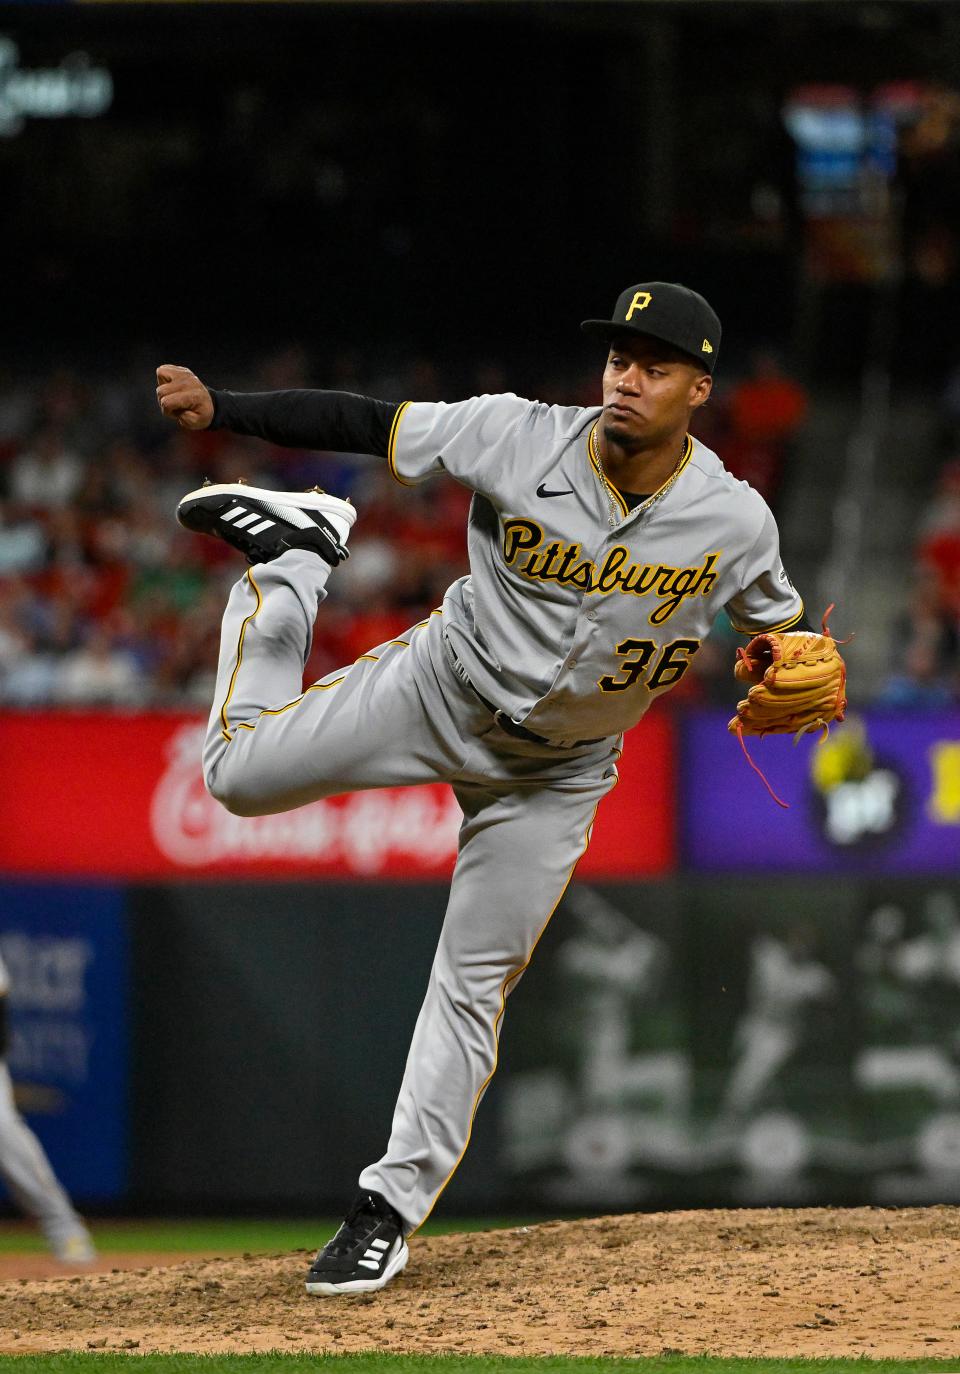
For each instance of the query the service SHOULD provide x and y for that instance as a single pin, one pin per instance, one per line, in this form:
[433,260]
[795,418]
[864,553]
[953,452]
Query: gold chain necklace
[615,504]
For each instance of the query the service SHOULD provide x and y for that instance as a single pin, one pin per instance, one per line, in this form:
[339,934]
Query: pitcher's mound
[760,1282]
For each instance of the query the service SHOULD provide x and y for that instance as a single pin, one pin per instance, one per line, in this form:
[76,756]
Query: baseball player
[603,541]
[26,1170]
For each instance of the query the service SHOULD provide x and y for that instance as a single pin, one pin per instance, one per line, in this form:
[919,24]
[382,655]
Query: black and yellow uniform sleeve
[338,421]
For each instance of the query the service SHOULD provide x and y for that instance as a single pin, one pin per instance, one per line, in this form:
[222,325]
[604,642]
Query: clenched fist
[183,397]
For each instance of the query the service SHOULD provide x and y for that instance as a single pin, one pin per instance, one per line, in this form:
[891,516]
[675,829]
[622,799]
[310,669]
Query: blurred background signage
[881,795]
[846,145]
[850,145]
[74,89]
[66,949]
[53,822]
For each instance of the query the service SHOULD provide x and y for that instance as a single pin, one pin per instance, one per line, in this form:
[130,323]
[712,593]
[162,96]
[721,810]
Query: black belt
[510,727]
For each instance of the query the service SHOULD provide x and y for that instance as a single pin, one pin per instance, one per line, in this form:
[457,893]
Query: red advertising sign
[117,796]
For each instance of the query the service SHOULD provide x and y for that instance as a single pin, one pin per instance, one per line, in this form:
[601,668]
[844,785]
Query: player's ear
[700,389]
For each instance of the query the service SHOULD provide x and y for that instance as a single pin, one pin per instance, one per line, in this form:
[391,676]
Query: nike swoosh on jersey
[542,491]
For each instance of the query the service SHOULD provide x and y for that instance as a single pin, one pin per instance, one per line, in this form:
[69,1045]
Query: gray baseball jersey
[579,612]
[575,615]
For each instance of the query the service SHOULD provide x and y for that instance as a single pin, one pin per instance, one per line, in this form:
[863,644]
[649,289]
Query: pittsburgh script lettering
[523,548]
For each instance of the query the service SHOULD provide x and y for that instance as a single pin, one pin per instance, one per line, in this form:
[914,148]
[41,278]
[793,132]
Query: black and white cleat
[365,1254]
[263,524]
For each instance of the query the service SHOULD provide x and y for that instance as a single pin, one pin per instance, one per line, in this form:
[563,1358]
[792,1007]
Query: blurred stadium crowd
[104,600]
[926,645]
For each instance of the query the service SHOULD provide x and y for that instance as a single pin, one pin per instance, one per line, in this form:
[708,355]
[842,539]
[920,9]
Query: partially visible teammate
[603,542]
[26,1170]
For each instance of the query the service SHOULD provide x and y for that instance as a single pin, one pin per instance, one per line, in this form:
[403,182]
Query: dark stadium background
[423,201]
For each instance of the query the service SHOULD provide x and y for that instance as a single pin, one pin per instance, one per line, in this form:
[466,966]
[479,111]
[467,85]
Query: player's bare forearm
[337,421]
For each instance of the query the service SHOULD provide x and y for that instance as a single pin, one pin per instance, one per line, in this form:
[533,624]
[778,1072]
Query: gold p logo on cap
[640,302]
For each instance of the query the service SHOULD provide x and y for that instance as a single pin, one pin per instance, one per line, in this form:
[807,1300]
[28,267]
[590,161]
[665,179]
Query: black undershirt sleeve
[337,421]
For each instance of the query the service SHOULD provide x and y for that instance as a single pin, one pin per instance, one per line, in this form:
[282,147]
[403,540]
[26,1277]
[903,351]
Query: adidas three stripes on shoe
[262,524]
[366,1253]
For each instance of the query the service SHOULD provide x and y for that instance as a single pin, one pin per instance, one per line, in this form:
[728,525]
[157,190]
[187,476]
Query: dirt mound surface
[765,1282]
[44,1266]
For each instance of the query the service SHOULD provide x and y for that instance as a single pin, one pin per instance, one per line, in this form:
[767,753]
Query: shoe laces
[364,1216]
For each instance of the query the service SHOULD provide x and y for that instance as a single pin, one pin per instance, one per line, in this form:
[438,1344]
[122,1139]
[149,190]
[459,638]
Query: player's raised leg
[270,745]
[264,524]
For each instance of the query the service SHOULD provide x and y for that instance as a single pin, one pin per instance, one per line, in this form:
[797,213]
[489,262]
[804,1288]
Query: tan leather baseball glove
[798,680]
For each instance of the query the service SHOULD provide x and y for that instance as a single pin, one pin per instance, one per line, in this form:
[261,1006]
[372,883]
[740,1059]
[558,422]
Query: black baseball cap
[667,311]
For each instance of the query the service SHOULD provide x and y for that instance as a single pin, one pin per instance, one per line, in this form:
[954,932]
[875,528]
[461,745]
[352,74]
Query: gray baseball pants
[400,716]
[26,1171]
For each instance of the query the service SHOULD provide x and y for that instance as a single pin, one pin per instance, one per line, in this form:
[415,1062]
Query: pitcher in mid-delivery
[603,542]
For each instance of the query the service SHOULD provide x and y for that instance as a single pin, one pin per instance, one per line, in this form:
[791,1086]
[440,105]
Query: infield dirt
[754,1282]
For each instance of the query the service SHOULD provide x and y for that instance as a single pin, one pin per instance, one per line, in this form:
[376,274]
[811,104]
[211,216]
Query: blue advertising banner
[65,948]
[881,795]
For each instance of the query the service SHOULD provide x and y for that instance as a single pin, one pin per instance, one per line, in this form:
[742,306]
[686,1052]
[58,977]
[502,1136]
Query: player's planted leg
[519,845]
[366,1253]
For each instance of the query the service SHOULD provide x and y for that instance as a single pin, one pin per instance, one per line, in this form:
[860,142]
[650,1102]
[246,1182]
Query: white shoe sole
[332,1290]
[341,513]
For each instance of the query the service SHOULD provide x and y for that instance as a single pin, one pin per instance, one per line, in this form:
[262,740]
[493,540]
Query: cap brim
[608,329]
[605,329]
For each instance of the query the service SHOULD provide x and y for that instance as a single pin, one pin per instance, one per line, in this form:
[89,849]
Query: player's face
[649,391]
